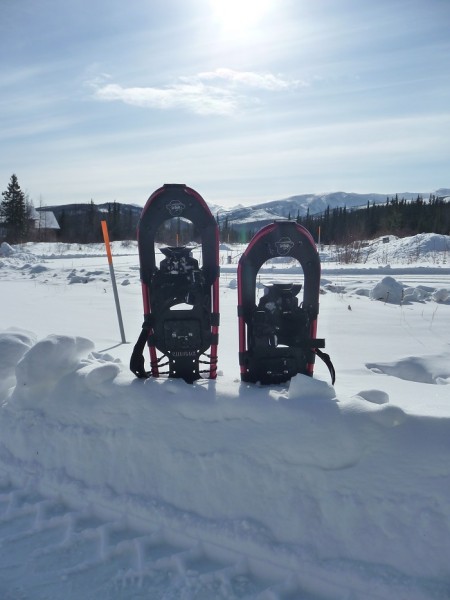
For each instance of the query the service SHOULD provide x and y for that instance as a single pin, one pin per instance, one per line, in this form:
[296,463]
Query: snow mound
[388,290]
[420,248]
[6,249]
[95,376]
[424,369]
[73,277]
[441,295]
[391,291]
[303,387]
[375,396]
[15,255]
[416,294]
[14,343]
[45,363]
[430,243]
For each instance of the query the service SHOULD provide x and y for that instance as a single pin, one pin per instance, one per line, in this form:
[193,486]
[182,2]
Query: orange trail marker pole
[113,279]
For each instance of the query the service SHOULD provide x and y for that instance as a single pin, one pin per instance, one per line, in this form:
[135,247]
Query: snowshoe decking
[277,337]
[181,299]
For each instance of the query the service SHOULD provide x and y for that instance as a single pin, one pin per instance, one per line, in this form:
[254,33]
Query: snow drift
[344,492]
[299,472]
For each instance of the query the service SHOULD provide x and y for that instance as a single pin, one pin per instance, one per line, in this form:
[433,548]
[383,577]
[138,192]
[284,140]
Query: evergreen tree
[14,211]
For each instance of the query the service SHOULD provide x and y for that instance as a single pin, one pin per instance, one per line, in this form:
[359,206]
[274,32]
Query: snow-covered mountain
[316,203]
[259,215]
[443,192]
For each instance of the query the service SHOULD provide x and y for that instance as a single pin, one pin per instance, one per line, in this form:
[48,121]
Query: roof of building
[44,219]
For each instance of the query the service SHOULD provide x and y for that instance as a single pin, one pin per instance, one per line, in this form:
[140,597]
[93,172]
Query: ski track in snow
[51,550]
[123,489]
[46,545]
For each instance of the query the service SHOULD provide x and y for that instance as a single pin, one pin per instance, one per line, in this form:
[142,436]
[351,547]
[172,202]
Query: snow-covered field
[118,488]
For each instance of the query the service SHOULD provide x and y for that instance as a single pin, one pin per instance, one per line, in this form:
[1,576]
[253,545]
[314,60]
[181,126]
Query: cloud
[199,99]
[219,92]
[263,81]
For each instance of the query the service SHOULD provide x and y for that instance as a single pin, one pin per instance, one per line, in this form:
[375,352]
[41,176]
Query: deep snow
[114,487]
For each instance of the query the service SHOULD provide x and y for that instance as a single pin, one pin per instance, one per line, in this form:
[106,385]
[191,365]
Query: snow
[114,487]
[388,290]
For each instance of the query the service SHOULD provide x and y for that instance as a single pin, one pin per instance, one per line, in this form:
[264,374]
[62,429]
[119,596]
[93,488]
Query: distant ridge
[299,205]
[258,215]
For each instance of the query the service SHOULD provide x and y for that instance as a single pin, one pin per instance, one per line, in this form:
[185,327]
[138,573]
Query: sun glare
[237,17]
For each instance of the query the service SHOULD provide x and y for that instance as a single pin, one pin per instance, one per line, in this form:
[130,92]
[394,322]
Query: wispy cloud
[219,92]
[262,81]
[199,99]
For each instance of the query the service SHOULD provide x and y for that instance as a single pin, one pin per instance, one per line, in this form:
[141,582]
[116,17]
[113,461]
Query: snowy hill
[261,214]
[317,203]
[247,217]
[118,488]
[258,215]
[443,192]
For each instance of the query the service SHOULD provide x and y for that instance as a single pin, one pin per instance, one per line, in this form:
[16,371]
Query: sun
[237,17]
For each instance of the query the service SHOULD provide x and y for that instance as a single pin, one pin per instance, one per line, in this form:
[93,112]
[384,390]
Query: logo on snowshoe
[175,207]
[284,245]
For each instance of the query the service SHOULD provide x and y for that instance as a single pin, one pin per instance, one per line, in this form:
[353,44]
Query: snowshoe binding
[277,337]
[181,298]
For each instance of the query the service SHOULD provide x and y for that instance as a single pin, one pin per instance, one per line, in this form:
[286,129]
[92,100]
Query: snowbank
[344,492]
[6,249]
[391,291]
[300,472]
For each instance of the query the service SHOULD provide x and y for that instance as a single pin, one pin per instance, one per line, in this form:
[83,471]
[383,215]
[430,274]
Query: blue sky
[244,100]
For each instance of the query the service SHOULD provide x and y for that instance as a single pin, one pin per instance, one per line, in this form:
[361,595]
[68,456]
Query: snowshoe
[181,298]
[277,336]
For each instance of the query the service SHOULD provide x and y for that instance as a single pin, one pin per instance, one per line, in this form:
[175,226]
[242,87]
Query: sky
[244,100]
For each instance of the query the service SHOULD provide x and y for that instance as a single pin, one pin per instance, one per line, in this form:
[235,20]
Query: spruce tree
[14,211]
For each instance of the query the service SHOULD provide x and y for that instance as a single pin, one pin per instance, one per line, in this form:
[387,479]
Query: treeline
[81,223]
[231,234]
[396,217]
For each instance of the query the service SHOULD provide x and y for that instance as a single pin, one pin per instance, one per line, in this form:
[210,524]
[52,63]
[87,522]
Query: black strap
[137,356]
[327,360]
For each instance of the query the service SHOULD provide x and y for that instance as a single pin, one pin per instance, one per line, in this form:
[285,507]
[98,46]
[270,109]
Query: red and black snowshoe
[277,337]
[181,298]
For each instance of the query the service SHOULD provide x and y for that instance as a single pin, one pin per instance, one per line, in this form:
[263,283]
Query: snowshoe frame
[185,339]
[261,358]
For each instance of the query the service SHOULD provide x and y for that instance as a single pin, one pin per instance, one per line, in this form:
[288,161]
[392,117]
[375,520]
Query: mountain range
[255,216]
[244,217]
